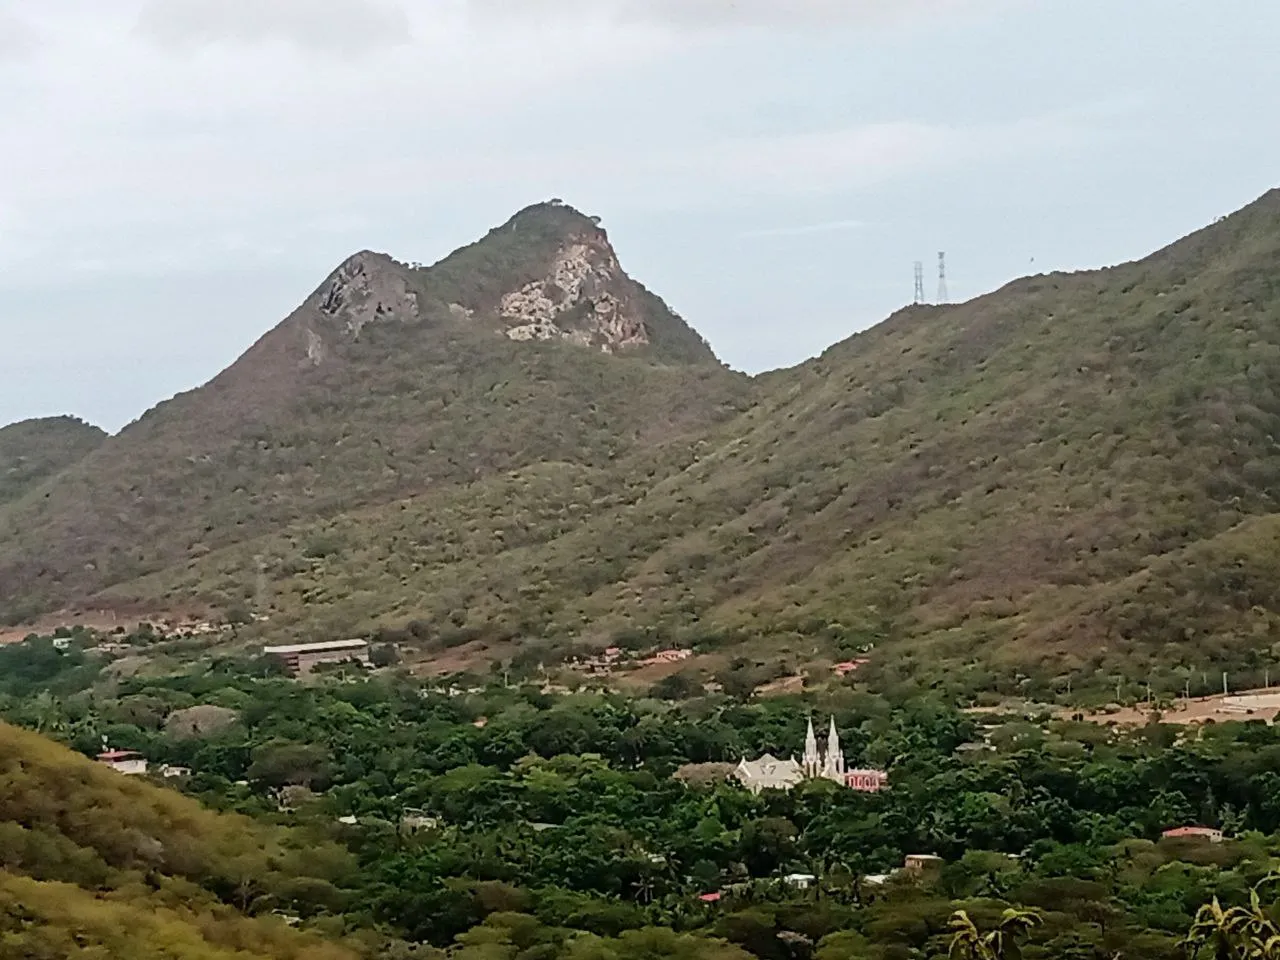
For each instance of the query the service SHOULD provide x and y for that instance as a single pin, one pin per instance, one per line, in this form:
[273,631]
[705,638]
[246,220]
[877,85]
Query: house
[711,897]
[170,772]
[413,819]
[1202,833]
[866,781]
[920,862]
[62,644]
[129,762]
[666,656]
[800,881]
[302,658]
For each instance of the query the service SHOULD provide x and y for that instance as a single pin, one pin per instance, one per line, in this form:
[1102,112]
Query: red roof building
[866,781]
[1203,833]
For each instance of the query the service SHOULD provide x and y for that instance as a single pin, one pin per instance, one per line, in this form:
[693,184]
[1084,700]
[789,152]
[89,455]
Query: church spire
[834,767]
[812,759]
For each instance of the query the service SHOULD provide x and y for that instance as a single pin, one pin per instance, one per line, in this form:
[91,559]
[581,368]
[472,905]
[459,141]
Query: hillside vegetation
[34,450]
[1074,473]
[93,864]
[370,392]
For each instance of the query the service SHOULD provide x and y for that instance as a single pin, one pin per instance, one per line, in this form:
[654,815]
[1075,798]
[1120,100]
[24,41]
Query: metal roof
[316,647]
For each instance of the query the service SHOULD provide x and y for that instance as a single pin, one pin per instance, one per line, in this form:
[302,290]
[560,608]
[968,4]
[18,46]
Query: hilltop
[529,346]
[1077,472]
[35,450]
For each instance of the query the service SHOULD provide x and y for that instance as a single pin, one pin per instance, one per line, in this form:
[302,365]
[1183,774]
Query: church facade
[771,773]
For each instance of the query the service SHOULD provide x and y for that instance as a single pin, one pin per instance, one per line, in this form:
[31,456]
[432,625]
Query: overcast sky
[177,175]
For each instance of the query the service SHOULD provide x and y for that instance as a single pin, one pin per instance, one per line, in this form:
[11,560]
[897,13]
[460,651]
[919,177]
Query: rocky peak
[366,288]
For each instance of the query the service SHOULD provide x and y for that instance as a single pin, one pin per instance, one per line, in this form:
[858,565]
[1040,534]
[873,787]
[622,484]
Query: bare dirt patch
[1261,704]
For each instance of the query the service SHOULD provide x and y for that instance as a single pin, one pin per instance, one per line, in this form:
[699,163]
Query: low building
[170,772]
[866,781]
[129,762]
[800,881]
[302,658]
[1200,833]
[769,773]
[920,862]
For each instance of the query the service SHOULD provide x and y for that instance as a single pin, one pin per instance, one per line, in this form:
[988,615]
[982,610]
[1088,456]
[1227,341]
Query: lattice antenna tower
[942,279]
[919,295]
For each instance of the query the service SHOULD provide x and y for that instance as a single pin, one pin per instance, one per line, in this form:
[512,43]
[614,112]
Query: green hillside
[35,450]
[1076,472]
[94,864]
[370,392]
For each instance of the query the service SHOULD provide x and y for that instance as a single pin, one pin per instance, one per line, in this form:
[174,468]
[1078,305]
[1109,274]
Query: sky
[177,175]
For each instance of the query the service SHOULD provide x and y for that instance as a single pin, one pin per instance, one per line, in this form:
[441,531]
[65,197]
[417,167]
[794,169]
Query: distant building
[302,658]
[129,762]
[770,773]
[866,781]
[801,881]
[711,897]
[170,772]
[1202,833]
[666,656]
[920,862]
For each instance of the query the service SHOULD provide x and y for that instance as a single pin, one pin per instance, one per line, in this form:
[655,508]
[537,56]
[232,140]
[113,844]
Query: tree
[970,943]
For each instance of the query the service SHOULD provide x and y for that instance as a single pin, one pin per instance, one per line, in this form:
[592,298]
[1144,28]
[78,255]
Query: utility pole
[1187,692]
[1119,680]
[1224,683]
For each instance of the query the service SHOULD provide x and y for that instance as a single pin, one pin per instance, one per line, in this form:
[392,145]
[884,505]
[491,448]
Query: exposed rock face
[366,288]
[582,299]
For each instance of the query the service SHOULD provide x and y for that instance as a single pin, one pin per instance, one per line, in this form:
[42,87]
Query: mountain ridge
[386,380]
[976,489]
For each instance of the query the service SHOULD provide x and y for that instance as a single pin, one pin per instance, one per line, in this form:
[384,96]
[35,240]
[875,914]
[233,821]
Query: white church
[770,773]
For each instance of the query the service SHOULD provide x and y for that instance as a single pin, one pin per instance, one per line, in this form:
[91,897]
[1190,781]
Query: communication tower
[942,279]
[919,297]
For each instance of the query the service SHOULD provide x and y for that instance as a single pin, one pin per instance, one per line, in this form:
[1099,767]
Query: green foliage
[35,450]
[1071,476]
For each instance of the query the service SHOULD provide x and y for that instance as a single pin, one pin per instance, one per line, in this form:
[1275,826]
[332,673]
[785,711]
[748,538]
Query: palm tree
[1237,932]
[1213,925]
[970,943]
[966,939]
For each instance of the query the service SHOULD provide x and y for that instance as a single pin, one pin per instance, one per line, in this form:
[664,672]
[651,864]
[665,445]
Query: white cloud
[804,230]
[342,27]
[718,13]
[17,38]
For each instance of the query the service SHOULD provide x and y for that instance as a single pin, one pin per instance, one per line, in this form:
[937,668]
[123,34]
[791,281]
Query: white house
[129,762]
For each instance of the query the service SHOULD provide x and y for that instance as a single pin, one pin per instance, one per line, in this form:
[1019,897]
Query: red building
[866,781]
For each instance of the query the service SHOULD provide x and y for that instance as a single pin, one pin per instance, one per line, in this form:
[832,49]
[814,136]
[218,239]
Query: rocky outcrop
[584,299]
[367,288]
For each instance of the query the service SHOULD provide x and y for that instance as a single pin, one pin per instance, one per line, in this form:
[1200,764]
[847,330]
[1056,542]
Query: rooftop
[322,647]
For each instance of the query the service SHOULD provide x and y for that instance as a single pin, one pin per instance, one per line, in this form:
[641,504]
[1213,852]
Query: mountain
[390,380]
[34,450]
[1075,473]
[96,864]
